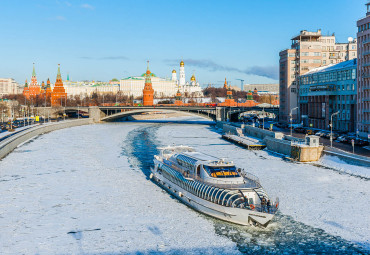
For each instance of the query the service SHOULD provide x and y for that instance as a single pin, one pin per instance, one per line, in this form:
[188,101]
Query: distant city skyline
[95,40]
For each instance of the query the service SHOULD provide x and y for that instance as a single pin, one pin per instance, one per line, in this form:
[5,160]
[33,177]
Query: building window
[316,54]
[324,62]
[317,61]
[293,90]
[291,55]
[353,47]
[304,54]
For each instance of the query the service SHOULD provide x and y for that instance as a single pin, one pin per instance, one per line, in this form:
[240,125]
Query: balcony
[365,53]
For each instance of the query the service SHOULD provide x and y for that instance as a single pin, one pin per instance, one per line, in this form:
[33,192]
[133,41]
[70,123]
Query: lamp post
[291,121]
[331,128]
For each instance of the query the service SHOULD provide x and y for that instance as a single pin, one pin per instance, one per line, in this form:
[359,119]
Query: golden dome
[182,63]
[173,71]
[192,78]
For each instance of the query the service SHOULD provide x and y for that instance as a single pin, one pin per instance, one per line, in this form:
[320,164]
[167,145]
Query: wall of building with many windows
[326,90]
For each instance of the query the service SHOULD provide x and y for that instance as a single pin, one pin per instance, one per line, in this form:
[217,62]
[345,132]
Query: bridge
[113,113]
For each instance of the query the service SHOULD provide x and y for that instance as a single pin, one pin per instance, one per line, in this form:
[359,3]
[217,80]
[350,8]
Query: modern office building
[8,86]
[329,92]
[363,79]
[309,50]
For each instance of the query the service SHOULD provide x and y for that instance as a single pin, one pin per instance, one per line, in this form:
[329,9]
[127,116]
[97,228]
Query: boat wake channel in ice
[283,236]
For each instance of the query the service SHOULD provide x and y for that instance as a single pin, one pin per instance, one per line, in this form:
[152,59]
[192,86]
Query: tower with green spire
[249,95]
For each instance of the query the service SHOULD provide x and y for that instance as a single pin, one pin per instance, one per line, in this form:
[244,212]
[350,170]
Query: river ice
[322,197]
[73,191]
[83,191]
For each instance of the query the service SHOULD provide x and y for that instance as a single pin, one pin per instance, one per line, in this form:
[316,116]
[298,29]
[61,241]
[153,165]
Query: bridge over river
[112,113]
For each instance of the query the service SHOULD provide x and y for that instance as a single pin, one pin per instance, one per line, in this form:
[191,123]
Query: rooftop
[346,64]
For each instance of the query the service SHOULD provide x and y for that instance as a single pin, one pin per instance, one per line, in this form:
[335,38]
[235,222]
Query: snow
[342,166]
[313,195]
[80,190]
[75,191]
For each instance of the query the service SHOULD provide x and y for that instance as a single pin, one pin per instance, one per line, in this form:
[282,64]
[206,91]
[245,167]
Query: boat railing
[251,177]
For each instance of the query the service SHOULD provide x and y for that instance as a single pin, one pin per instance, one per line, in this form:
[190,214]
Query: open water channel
[85,190]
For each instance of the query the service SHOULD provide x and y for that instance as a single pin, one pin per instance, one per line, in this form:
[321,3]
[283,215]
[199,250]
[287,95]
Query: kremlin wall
[147,86]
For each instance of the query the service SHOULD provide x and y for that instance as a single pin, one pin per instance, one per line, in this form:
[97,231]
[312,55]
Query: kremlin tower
[26,92]
[34,89]
[59,94]
[229,101]
[48,89]
[148,91]
[178,101]
[42,91]
[225,84]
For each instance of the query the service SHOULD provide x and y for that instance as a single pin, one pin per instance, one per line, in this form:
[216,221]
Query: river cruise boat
[213,186]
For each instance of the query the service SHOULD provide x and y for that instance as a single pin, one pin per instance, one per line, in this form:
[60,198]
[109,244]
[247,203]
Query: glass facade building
[327,90]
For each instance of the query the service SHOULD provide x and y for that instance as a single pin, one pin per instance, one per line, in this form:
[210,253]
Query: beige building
[308,50]
[133,86]
[263,88]
[363,75]
[8,86]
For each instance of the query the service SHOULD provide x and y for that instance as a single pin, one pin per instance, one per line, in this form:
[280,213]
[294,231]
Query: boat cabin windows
[221,171]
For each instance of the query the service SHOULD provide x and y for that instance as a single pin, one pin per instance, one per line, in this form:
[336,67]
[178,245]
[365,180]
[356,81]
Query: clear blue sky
[100,40]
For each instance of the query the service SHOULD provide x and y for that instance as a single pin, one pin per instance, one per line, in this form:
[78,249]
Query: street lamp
[331,128]
[291,121]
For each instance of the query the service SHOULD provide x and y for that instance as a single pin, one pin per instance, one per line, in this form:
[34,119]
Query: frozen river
[85,190]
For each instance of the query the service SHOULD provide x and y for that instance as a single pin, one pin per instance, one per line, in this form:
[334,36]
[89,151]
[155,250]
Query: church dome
[182,63]
[173,71]
[192,78]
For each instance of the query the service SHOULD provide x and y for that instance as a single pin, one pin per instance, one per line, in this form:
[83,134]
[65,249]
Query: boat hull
[230,214]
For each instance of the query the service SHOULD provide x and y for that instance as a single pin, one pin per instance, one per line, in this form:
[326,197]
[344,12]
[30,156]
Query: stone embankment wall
[277,142]
[9,144]
[353,158]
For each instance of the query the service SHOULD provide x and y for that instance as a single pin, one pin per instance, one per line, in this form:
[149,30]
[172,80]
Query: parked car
[342,139]
[299,130]
[361,142]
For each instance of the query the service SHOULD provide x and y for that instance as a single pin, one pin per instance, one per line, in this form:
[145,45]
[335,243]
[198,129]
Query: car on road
[300,130]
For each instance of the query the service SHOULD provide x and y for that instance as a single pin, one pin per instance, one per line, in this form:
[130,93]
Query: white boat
[213,186]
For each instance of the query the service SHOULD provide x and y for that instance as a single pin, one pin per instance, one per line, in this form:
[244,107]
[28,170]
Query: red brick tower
[148,91]
[178,101]
[59,95]
[42,91]
[48,89]
[225,84]
[229,101]
[26,91]
[34,89]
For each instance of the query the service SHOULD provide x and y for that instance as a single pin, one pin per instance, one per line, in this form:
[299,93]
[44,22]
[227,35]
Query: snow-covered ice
[320,197]
[84,190]
[74,191]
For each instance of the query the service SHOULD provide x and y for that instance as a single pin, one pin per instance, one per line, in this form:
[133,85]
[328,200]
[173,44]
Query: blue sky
[100,40]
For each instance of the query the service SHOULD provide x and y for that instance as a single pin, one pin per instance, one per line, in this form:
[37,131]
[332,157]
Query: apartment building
[309,50]
[363,79]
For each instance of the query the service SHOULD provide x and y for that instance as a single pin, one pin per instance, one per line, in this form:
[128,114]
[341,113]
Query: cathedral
[191,88]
